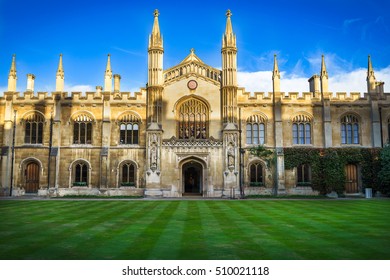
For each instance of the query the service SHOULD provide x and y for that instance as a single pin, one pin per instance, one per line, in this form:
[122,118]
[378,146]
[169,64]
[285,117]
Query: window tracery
[192,119]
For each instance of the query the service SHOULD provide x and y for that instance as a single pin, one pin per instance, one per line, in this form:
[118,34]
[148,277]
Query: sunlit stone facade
[188,132]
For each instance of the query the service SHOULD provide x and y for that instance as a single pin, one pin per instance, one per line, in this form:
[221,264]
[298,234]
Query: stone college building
[188,132]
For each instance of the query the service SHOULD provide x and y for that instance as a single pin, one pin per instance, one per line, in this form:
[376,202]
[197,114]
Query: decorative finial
[156,13]
[192,50]
[228,13]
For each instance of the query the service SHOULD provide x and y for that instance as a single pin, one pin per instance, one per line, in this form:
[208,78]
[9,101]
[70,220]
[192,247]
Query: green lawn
[195,229]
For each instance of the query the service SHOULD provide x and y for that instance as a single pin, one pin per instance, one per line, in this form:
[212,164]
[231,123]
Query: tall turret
[154,93]
[276,76]
[325,97]
[229,75]
[60,76]
[108,75]
[324,76]
[155,75]
[12,77]
[371,80]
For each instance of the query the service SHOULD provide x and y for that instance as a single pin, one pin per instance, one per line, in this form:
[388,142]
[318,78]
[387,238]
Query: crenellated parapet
[309,97]
[29,97]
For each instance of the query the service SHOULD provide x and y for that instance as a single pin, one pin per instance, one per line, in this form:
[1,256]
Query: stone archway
[192,178]
[32,177]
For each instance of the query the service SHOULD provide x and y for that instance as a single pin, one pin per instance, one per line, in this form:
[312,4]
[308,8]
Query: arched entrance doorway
[32,177]
[192,178]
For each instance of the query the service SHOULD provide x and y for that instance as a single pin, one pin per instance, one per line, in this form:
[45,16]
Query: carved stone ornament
[153,152]
[191,142]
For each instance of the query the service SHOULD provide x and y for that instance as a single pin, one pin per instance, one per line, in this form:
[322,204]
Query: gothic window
[192,119]
[129,129]
[80,174]
[256,174]
[304,175]
[82,129]
[255,130]
[301,130]
[349,130]
[128,174]
[34,129]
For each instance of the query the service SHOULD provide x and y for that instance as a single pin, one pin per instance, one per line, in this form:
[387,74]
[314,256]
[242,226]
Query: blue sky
[299,31]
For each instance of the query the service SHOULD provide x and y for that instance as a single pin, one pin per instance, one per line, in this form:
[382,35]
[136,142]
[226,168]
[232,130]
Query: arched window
[82,129]
[255,130]
[256,174]
[34,129]
[349,130]
[80,174]
[128,174]
[192,119]
[301,130]
[129,129]
[303,175]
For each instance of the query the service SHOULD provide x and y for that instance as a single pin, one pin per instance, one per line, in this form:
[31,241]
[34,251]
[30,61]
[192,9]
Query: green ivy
[327,165]
[384,173]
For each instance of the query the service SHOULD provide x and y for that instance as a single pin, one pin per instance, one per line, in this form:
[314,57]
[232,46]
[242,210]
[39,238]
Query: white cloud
[79,88]
[341,81]
[2,90]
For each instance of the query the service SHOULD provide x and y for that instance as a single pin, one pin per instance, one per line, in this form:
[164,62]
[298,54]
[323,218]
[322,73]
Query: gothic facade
[188,132]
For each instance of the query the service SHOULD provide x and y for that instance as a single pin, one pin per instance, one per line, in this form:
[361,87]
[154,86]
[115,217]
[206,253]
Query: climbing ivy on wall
[327,165]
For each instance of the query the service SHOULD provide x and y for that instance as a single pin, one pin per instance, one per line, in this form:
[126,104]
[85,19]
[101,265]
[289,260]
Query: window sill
[303,185]
[302,145]
[33,145]
[81,145]
[128,145]
[350,145]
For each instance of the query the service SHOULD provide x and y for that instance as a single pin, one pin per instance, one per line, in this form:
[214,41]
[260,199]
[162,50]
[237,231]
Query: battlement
[115,97]
[305,97]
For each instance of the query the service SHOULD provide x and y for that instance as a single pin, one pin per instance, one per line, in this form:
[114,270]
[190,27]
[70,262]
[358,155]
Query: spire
[276,76]
[108,66]
[275,72]
[229,38]
[229,27]
[371,80]
[108,75]
[155,39]
[324,77]
[370,69]
[60,76]
[12,71]
[60,69]
[12,77]
[324,73]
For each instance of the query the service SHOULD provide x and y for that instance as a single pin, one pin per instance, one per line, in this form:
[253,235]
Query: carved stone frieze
[191,142]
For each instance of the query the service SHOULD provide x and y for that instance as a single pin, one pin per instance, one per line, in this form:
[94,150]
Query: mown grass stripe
[245,229]
[78,240]
[168,245]
[150,229]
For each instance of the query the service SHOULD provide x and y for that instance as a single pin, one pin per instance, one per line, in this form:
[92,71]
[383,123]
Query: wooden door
[351,183]
[32,177]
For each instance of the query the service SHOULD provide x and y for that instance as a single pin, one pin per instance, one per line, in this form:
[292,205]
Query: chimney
[117,80]
[99,90]
[314,85]
[30,82]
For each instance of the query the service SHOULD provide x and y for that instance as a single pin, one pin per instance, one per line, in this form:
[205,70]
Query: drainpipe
[380,124]
[50,147]
[241,154]
[12,155]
